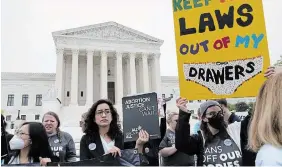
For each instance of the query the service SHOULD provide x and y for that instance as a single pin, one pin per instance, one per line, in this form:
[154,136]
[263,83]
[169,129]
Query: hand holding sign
[140,112]
[143,138]
[271,71]
[181,104]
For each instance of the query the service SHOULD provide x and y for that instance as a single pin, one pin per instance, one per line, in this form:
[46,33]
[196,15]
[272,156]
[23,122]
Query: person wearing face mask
[61,143]
[102,133]
[218,143]
[171,156]
[30,144]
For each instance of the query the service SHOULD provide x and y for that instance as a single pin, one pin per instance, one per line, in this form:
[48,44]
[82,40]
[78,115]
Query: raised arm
[184,142]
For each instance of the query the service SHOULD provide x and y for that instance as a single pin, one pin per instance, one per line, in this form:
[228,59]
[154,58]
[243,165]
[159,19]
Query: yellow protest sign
[221,47]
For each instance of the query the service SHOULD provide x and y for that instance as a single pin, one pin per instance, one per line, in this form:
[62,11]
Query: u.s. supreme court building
[106,60]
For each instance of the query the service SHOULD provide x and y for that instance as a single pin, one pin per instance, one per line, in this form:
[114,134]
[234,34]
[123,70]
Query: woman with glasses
[102,133]
[172,157]
[31,145]
[61,143]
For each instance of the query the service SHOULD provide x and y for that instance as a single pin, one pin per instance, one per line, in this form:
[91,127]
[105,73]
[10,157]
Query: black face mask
[216,121]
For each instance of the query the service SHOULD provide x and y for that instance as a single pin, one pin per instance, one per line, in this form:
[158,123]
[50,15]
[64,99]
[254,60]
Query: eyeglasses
[102,112]
[214,113]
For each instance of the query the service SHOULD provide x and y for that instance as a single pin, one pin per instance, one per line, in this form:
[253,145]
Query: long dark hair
[91,128]
[59,123]
[39,142]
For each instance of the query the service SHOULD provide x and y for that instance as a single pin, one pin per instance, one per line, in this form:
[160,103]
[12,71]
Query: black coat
[248,157]
[193,144]
[86,140]
[86,153]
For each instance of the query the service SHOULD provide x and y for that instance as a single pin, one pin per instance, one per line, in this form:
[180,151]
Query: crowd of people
[219,138]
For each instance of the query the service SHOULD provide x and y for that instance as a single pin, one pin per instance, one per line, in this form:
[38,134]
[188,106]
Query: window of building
[8,118]
[81,93]
[25,100]
[38,100]
[190,101]
[37,117]
[23,117]
[68,93]
[199,101]
[10,101]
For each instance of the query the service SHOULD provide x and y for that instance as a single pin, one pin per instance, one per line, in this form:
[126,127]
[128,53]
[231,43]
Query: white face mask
[16,143]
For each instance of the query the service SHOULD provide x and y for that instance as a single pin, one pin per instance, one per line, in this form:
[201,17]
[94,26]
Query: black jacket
[248,157]
[86,140]
[233,118]
[193,144]
[150,149]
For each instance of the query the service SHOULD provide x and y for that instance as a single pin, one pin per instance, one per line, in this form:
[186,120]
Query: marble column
[74,77]
[59,73]
[132,71]
[145,73]
[103,76]
[89,85]
[157,75]
[119,78]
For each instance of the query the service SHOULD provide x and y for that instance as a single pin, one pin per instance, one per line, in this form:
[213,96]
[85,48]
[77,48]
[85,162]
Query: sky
[26,26]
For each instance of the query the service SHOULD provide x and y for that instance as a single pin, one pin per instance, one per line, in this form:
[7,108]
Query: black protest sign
[140,112]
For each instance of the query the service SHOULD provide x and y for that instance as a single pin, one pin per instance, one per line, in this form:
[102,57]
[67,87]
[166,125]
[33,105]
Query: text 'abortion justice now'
[140,103]
[209,23]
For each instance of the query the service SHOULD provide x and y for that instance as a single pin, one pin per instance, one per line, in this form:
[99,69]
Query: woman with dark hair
[102,133]
[61,143]
[31,145]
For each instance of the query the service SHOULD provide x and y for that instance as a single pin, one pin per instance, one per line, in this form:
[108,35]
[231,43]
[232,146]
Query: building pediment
[108,31]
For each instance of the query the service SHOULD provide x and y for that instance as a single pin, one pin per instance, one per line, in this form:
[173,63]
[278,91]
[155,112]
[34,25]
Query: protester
[82,121]
[197,125]
[5,138]
[228,116]
[31,145]
[102,133]
[172,157]
[249,156]
[61,143]
[265,133]
[219,143]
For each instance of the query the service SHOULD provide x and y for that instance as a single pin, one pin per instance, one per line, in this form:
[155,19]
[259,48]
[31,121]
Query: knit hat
[204,106]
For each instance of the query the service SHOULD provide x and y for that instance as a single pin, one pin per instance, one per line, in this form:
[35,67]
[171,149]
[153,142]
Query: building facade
[106,60]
